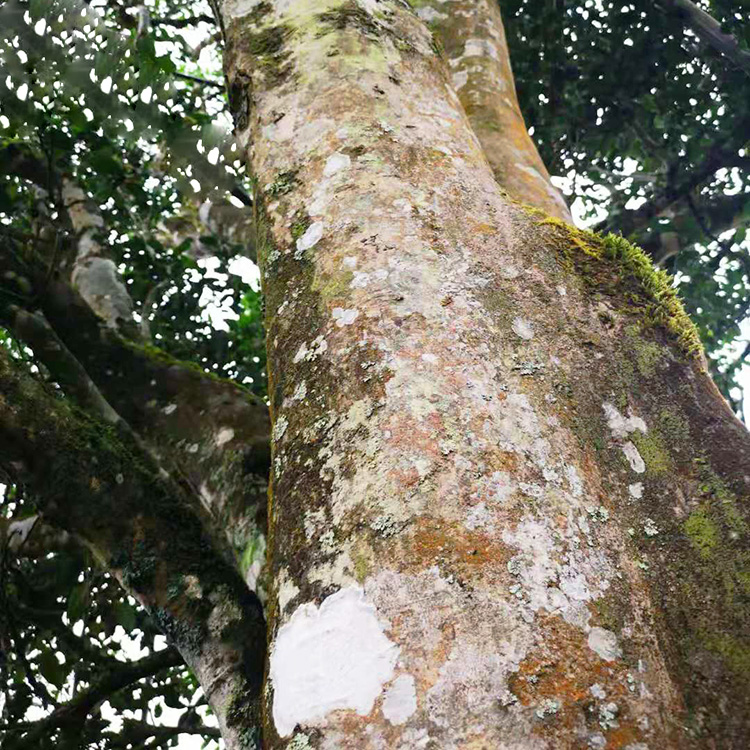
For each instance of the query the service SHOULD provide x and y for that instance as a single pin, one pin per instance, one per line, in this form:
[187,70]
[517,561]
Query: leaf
[52,670]
[125,616]
[78,601]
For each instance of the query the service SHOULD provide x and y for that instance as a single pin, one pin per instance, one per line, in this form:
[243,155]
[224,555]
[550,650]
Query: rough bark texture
[509,507]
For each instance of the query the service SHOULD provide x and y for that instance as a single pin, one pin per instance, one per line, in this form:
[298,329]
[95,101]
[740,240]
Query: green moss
[332,287]
[725,501]
[623,270]
[743,581]
[259,12]
[299,227]
[284,183]
[735,653]
[702,532]
[268,41]
[674,427]
[648,355]
[266,46]
[653,451]
[360,568]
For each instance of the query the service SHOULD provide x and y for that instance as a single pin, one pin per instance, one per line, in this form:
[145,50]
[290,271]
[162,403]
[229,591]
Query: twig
[198,79]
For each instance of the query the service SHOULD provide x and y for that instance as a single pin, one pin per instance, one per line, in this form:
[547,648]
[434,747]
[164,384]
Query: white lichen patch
[548,707]
[523,329]
[311,237]
[574,480]
[317,347]
[598,691]
[604,643]
[329,658]
[300,741]
[223,436]
[335,163]
[479,517]
[636,490]
[280,428]
[637,464]
[344,317]
[286,589]
[400,700]
[315,521]
[192,587]
[621,426]
[300,394]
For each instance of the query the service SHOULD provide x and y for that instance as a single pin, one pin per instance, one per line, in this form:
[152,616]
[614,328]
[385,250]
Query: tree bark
[472,36]
[508,505]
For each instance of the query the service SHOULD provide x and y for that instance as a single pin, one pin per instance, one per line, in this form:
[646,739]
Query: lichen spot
[311,237]
[329,658]
[604,643]
[335,163]
[223,436]
[344,317]
[280,428]
[523,329]
[621,426]
[637,464]
[636,490]
[400,700]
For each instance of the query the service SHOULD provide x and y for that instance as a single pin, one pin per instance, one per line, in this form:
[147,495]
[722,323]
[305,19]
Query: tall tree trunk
[508,504]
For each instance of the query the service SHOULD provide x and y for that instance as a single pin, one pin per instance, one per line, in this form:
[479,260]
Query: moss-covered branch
[95,481]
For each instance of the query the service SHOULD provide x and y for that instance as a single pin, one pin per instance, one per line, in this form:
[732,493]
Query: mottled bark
[212,432]
[93,274]
[509,507]
[96,482]
[472,36]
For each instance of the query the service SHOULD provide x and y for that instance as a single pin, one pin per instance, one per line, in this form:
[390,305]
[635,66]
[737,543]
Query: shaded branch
[721,155]
[75,711]
[708,29]
[96,481]
[34,331]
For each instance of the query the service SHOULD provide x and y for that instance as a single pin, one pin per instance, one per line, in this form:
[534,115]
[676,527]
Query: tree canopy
[115,125]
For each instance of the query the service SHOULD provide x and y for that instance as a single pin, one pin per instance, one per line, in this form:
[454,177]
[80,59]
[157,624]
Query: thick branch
[164,400]
[98,483]
[64,367]
[473,37]
[709,30]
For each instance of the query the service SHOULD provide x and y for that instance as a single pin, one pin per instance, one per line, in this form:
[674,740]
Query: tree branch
[709,30]
[64,367]
[198,79]
[721,154]
[77,709]
[95,480]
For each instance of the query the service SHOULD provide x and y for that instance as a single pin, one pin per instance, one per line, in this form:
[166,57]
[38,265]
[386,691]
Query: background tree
[111,150]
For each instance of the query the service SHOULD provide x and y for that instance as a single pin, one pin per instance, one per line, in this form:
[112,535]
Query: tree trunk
[508,505]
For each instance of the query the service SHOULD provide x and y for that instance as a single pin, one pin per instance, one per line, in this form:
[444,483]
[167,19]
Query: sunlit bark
[472,36]
[493,523]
